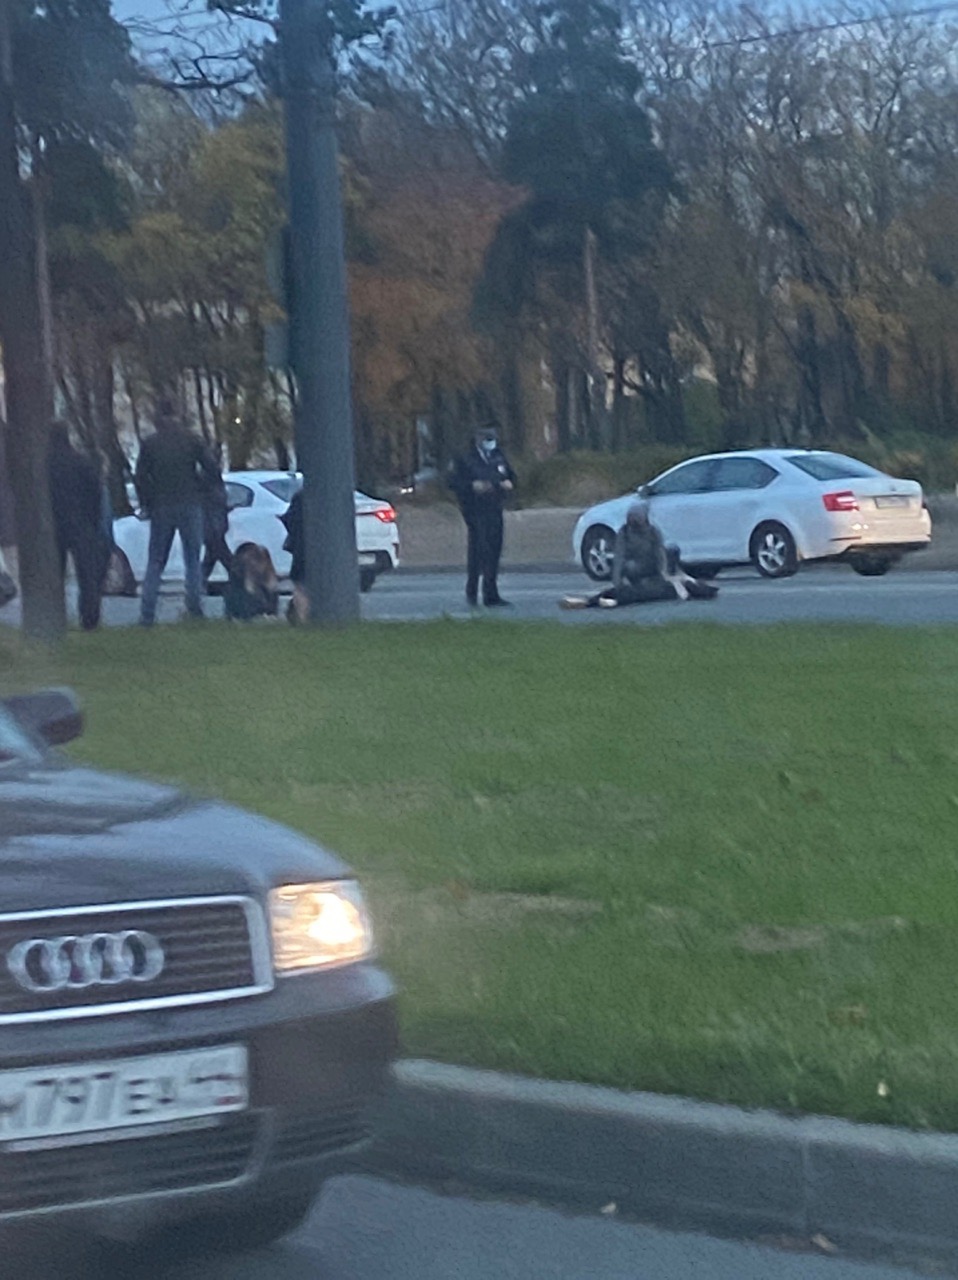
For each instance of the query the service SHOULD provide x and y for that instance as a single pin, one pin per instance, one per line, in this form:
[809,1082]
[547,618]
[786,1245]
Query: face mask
[488,447]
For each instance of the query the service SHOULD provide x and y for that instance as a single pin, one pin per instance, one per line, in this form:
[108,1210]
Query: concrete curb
[673,1161]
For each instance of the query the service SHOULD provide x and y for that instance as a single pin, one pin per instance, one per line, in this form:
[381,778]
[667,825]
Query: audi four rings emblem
[74,963]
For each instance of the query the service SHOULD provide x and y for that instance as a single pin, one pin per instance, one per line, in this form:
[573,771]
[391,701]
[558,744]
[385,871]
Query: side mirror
[644,491]
[52,715]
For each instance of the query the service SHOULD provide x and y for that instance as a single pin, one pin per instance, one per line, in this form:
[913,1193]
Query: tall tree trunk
[852,374]
[947,388]
[560,377]
[812,408]
[201,405]
[44,292]
[134,405]
[108,438]
[620,405]
[581,418]
[597,411]
[511,386]
[28,393]
[438,422]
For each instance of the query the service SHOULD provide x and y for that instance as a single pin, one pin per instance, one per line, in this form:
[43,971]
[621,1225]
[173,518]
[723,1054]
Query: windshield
[14,743]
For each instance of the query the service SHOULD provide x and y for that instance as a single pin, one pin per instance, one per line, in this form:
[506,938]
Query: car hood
[71,836]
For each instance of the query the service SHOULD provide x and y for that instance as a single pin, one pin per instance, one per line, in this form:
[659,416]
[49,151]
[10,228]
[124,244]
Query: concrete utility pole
[319,312]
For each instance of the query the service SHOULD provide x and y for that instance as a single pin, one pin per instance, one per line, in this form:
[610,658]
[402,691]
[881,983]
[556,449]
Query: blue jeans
[186,519]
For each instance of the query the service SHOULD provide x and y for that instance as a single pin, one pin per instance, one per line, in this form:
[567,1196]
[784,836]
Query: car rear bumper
[857,531]
[317,1067]
[893,550]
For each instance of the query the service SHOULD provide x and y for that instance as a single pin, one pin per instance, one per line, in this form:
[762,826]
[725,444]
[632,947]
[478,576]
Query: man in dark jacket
[173,471]
[76,496]
[481,478]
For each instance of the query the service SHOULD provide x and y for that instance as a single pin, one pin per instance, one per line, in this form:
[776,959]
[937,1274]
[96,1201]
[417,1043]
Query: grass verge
[699,860]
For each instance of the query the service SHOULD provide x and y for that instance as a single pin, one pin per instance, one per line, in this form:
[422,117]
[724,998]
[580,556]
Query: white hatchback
[773,508]
[257,500]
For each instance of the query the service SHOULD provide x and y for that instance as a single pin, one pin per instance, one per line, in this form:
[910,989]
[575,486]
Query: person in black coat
[481,478]
[295,544]
[76,496]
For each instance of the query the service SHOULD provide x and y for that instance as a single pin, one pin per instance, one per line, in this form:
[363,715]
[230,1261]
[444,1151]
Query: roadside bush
[580,478]
[931,461]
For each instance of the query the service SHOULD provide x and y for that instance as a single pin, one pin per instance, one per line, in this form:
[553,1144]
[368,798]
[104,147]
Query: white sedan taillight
[385,515]
[845,500]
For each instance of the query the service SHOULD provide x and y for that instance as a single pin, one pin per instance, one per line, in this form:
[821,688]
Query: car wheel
[120,579]
[598,552]
[773,551]
[871,566]
[704,572]
[366,579]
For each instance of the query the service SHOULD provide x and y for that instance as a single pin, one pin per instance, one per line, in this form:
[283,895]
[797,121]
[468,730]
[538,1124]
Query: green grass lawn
[702,860]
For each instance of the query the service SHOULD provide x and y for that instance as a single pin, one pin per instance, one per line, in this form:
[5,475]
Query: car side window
[284,487]
[693,477]
[238,495]
[742,473]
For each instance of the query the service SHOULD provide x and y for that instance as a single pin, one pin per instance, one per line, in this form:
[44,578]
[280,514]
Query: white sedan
[773,508]
[257,500]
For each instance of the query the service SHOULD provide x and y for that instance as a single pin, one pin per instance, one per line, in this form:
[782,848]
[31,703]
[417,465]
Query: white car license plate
[60,1101]
[366,558]
[893,500]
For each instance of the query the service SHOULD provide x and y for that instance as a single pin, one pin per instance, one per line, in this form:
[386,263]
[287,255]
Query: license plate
[893,500]
[61,1101]
[367,558]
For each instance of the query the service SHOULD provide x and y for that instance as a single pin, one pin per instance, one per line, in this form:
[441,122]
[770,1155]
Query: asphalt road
[369,1230]
[825,594]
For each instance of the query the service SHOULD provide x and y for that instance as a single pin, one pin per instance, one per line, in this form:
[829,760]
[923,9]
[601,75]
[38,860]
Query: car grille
[305,1134]
[213,949]
[33,1180]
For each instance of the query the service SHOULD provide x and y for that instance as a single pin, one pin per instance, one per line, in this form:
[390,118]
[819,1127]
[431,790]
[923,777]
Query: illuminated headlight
[317,926]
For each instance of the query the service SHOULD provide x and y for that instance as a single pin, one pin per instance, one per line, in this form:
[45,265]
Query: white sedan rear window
[831,466]
[284,487]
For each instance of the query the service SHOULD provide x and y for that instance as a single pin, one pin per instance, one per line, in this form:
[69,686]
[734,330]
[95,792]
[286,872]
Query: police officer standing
[480,478]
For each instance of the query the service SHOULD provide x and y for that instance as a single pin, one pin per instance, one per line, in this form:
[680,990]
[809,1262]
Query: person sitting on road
[644,569]
[252,589]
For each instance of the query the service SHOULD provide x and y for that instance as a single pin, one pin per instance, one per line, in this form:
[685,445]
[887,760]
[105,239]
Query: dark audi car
[192,1024]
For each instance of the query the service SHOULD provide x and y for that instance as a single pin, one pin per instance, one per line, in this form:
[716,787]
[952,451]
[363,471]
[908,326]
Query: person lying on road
[644,570]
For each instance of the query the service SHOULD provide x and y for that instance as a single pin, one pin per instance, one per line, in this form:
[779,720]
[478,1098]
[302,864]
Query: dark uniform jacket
[474,465]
